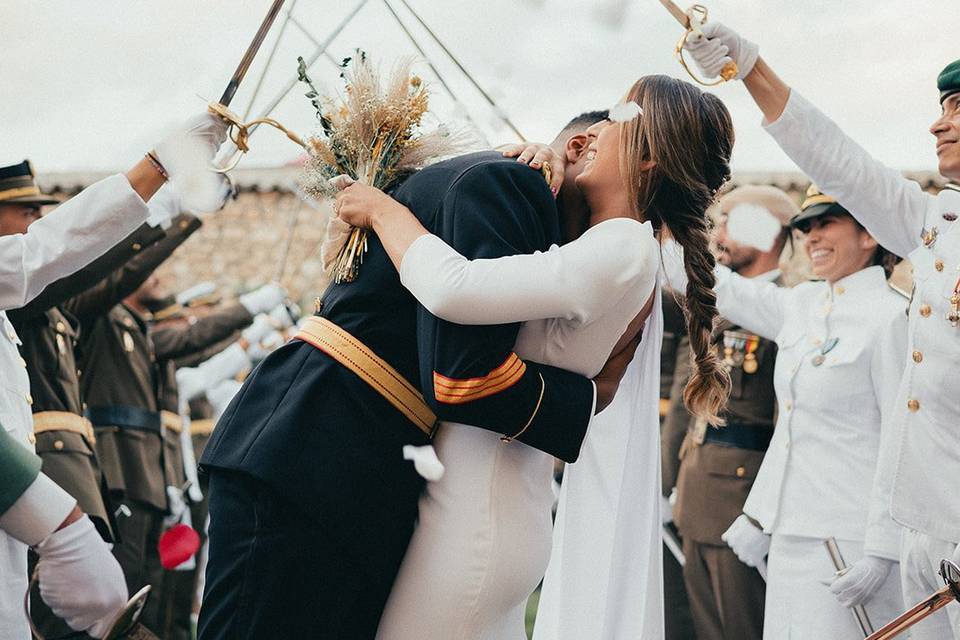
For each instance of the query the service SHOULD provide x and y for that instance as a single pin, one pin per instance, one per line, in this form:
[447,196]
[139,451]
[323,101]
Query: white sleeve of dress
[755,305]
[579,281]
[73,235]
[886,369]
[891,207]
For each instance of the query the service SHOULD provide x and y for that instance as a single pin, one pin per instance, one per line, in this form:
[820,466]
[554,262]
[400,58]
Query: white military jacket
[68,239]
[840,353]
[925,229]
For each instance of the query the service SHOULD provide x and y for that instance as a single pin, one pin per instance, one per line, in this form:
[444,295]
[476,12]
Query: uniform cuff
[38,512]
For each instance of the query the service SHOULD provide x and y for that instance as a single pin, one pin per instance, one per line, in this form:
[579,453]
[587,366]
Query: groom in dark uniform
[311,503]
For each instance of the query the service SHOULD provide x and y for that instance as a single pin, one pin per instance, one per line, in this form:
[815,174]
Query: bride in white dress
[484,536]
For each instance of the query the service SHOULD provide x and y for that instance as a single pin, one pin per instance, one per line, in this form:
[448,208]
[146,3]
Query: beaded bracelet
[156,165]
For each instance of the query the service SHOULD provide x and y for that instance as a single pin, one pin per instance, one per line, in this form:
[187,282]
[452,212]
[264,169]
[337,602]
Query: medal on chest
[953,316]
[826,348]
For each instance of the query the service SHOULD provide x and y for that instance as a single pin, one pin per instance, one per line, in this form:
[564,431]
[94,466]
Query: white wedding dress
[484,536]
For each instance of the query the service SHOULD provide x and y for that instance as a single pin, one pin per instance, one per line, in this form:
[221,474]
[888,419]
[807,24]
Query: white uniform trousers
[800,607]
[920,557]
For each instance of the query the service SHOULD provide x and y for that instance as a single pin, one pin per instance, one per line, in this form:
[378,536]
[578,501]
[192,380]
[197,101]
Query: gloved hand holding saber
[692,20]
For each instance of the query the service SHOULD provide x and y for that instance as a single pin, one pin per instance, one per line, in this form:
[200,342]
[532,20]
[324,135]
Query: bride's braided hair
[675,157]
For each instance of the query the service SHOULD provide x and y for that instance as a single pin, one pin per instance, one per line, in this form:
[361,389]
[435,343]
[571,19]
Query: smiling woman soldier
[912,224]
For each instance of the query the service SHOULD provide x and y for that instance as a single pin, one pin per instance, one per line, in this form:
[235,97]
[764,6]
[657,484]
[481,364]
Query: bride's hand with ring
[367,207]
[536,155]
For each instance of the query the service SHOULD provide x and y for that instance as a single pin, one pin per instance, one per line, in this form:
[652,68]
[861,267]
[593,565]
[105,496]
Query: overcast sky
[90,84]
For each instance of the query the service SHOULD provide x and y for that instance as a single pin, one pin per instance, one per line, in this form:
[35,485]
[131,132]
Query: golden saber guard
[936,601]
[691,20]
[240,131]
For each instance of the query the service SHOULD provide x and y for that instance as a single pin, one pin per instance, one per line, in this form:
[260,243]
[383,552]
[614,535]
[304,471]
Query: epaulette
[903,292]
[952,186]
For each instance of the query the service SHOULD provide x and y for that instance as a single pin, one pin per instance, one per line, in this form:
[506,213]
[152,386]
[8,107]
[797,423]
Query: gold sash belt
[171,421]
[63,421]
[372,369]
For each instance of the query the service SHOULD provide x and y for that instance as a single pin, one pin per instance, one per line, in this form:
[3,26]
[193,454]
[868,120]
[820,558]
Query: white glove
[196,291]
[163,207]
[861,580]
[258,351]
[187,155]
[718,45]
[221,395]
[747,541]
[281,316]
[263,299]
[666,510]
[79,578]
[262,327]
[193,381]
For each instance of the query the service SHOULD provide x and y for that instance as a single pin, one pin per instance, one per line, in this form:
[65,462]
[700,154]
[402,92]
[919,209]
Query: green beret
[948,82]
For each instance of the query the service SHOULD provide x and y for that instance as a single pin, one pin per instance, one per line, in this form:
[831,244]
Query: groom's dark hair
[584,120]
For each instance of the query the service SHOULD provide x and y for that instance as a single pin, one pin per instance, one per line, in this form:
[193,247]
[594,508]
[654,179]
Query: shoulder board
[906,294]
[952,186]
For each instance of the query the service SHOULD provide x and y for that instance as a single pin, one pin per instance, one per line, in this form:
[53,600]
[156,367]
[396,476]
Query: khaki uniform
[175,346]
[717,470]
[674,372]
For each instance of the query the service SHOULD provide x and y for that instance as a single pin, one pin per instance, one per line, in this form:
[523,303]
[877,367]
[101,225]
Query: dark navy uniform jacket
[315,431]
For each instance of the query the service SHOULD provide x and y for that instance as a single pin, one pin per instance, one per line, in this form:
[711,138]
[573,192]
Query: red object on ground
[177,545]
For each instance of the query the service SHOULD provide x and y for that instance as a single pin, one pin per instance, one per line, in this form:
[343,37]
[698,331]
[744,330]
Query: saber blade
[251,51]
[678,13]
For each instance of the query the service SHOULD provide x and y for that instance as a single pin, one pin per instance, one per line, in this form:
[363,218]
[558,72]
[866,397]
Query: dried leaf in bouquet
[374,133]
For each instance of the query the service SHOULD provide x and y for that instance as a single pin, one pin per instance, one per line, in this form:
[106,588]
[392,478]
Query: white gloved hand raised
[263,299]
[79,578]
[261,327]
[187,155]
[164,206]
[748,542]
[861,581]
[718,45]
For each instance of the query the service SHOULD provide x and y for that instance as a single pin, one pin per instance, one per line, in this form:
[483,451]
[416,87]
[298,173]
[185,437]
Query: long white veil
[605,578]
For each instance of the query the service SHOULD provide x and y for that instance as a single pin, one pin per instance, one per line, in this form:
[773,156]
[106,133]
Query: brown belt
[171,421]
[63,421]
[372,369]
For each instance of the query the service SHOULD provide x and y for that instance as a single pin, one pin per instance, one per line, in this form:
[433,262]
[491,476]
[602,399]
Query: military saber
[691,20]
[859,612]
[678,13]
[125,624]
[672,542]
[936,601]
[222,107]
[249,54]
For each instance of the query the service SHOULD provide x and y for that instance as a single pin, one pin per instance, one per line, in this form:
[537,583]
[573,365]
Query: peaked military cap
[948,82]
[18,186]
[816,204]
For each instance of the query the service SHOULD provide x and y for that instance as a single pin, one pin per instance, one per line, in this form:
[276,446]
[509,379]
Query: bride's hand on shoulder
[535,155]
[361,205]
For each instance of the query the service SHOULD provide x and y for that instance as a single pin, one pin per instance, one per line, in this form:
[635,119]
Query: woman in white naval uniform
[841,344]
[925,229]
[484,536]
[82,578]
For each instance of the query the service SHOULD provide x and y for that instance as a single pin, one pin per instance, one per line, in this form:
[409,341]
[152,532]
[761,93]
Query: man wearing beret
[915,225]
[718,466]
